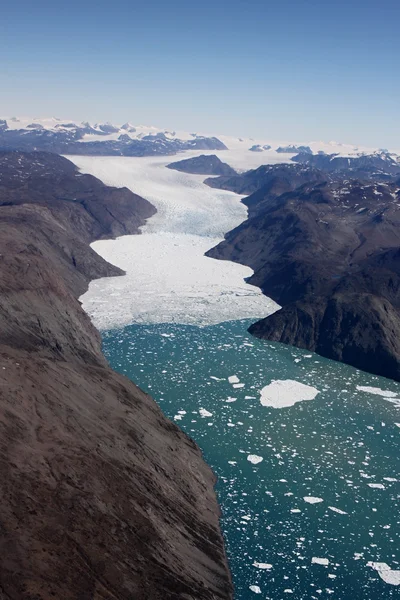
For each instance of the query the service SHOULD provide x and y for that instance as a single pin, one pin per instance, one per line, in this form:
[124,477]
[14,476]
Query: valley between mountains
[173,259]
[300,444]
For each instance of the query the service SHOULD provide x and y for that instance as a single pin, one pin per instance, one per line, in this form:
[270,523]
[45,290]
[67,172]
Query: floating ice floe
[255,589]
[319,561]
[388,575]
[376,486]
[254,459]
[233,379]
[337,510]
[286,392]
[377,391]
[312,499]
[205,413]
[259,565]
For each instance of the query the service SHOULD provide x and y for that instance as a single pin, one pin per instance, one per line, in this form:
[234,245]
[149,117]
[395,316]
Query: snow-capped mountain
[70,137]
[108,139]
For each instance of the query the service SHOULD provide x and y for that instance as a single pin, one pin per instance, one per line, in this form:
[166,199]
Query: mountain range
[104,139]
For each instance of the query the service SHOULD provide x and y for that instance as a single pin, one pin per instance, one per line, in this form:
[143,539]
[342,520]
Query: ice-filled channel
[305,449]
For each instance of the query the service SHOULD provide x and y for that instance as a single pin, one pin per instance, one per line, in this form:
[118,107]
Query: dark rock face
[102,496]
[284,177]
[328,252]
[359,329]
[203,165]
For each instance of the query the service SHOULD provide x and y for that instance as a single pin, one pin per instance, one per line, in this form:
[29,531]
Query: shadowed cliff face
[328,252]
[102,496]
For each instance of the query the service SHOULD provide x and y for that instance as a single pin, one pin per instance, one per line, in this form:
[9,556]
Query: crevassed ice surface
[168,279]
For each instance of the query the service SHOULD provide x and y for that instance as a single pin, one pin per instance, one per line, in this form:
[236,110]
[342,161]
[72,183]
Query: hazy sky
[292,70]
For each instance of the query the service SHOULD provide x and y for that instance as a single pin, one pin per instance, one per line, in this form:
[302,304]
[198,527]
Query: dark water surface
[340,451]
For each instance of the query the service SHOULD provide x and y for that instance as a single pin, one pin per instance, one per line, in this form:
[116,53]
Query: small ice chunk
[337,510]
[238,385]
[255,589]
[262,565]
[233,379]
[254,459]
[320,561]
[204,413]
[312,499]
[377,486]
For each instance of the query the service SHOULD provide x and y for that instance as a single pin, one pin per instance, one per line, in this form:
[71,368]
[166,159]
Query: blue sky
[291,70]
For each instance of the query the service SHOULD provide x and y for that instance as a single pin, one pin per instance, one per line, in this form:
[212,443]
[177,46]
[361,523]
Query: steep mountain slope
[102,496]
[327,252]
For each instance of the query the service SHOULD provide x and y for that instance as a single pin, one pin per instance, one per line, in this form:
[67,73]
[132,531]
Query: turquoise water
[331,448]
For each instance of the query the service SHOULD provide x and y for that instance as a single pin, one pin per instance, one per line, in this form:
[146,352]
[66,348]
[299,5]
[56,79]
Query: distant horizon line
[94,123]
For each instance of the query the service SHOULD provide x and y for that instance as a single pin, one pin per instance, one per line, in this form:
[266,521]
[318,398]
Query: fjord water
[309,491]
[339,451]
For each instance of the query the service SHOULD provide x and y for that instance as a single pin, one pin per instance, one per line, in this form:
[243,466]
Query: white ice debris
[377,391]
[286,392]
[255,589]
[388,575]
[254,459]
[233,379]
[205,413]
[337,510]
[312,499]
[320,561]
[260,565]
[168,278]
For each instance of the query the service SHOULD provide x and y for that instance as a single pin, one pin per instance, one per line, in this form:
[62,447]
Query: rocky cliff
[102,496]
[328,251]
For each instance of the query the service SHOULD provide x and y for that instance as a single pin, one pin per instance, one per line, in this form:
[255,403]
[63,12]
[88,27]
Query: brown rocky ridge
[102,497]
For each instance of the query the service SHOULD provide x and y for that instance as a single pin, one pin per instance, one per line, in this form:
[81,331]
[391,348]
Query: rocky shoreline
[102,496]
